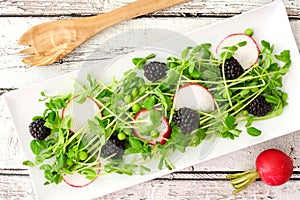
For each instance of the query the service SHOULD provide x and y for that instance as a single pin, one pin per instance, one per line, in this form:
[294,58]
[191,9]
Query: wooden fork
[51,41]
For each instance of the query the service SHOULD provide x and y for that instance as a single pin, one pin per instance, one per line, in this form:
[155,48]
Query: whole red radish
[273,166]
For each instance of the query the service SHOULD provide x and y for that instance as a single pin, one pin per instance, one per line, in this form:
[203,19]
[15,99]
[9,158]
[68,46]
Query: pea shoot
[82,151]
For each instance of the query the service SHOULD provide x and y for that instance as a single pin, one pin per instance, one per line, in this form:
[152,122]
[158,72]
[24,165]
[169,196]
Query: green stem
[224,80]
[110,111]
[241,181]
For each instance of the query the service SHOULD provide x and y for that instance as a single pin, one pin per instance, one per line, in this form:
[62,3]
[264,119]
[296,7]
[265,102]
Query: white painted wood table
[202,181]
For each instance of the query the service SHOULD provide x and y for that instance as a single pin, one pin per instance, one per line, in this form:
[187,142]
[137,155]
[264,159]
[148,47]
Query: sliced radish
[163,129]
[80,112]
[77,180]
[194,96]
[247,55]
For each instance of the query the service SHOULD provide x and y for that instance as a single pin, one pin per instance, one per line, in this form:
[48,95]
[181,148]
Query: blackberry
[259,107]
[38,130]
[155,71]
[187,119]
[114,147]
[232,69]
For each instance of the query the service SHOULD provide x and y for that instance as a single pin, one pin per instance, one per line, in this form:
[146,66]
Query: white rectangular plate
[269,22]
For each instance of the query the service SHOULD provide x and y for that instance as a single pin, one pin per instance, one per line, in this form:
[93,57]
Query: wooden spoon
[51,41]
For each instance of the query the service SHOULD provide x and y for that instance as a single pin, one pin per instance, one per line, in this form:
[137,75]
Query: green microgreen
[80,151]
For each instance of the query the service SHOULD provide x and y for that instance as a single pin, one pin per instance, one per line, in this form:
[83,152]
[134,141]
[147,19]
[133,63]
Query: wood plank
[19,186]
[207,176]
[112,42]
[16,187]
[199,189]
[85,7]
[13,67]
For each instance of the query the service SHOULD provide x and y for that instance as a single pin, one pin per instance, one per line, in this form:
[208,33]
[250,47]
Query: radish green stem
[241,181]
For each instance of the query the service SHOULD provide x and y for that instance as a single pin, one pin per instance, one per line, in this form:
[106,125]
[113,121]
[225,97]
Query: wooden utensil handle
[141,7]
[132,10]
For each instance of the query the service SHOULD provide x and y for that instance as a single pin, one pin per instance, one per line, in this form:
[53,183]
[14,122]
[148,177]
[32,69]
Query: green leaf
[47,154]
[131,151]
[37,117]
[199,136]
[230,121]
[48,175]
[284,56]
[71,153]
[102,94]
[192,66]
[195,74]
[266,44]
[140,62]
[135,143]
[235,132]
[206,46]
[226,55]
[61,160]
[150,56]
[35,147]
[28,163]
[51,118]
[241,44]
[249,121]
[181,148]
[253,131]
[81,99]
[50,105]
[168,164]
[267,62]
[272,99]
[137,61]
[43,94]
[90,174]
[131,76]
[144,169]
[45,167]
[57,179]
[244,92]
[284,70]
[161,163]
[284,96]
[38,159]
[233,48]
[60,103]
[149,102]
[162,99]
[185,52]
[155,118]
[171,79]
[47,183]
[66,122]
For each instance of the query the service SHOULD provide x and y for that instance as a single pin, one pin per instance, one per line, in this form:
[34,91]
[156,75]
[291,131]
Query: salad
[158,110]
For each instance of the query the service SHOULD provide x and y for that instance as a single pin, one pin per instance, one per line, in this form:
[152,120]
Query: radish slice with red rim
[78,180]
[246,55]
[194,96]
[163,130]
[81,112]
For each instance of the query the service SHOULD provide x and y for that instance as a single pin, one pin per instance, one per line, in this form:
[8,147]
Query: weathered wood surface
[24,75]
[202,181]
[89,7]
